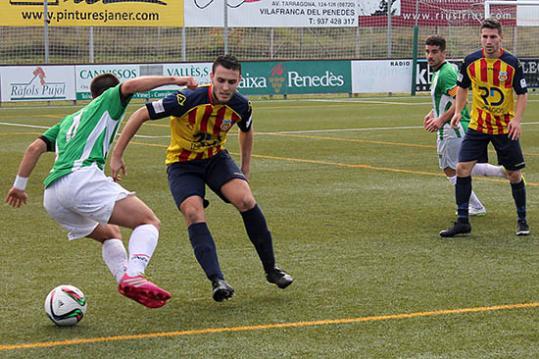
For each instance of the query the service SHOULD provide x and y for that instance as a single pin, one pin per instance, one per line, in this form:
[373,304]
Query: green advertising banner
[296,77]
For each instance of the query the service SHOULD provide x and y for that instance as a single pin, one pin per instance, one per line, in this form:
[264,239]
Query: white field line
[371,100]
[47,127]
[277,132]
[258,133]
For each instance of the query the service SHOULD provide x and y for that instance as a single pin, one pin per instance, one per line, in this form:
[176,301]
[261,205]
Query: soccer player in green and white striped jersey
[83,200]
[448,139]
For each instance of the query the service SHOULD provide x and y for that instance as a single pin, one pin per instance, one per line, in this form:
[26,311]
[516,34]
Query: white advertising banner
[37,83]
[84,75]
[200,71]
[272,13]
[527,15]
[381,76]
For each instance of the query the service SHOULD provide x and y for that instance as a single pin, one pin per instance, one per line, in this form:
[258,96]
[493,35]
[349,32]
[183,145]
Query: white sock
[474,201]
[142,244]
[452,180]
[115,257]
[486,169]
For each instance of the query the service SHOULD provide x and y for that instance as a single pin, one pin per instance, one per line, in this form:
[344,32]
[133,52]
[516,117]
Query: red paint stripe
[235,117]
[192,117]
[199,156]
[483,68]
[510,74]
[496,73]
[184,155]
[205,117]
[219,121]
[210,152]
[488,122]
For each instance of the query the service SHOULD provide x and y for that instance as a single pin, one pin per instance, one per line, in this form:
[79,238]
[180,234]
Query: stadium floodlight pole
[225,26]
[46,29]
[389,28]
[414,49]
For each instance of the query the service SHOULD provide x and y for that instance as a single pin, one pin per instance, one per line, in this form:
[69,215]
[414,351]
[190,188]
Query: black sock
[463,191]
[205,251]
[519,195]
[260,236]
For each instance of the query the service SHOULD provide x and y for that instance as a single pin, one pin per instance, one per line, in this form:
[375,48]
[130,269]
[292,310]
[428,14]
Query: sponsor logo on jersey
[227,123]
[181,99]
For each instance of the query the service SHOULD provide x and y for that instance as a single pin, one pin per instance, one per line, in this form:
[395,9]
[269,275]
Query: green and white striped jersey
[443,91]
[85,137]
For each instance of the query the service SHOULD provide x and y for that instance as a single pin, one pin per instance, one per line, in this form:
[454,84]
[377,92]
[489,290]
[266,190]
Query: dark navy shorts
[474,146]
[190,178]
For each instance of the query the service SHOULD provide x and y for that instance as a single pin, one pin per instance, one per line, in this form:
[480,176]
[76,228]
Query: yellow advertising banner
[164,13]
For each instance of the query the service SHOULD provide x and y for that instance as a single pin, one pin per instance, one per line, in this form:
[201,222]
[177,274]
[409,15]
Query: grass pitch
[353,195]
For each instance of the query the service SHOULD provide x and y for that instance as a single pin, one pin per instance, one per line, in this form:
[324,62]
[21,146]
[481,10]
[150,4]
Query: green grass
[355,217]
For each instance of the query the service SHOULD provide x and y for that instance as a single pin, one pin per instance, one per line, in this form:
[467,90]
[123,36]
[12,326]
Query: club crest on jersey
[502,76]
[227,123]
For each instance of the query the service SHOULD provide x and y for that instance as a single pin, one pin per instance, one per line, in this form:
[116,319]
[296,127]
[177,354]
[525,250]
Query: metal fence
[68,45]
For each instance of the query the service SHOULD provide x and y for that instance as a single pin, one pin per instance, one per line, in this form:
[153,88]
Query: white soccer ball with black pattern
[65,305]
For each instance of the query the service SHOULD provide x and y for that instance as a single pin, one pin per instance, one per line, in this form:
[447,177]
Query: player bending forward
[83,200]
[196,157]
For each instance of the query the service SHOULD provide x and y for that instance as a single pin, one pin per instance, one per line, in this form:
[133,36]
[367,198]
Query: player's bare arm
[514,125]
[117,164]
[17,196]
[146,83]
[460,102]
[246,149]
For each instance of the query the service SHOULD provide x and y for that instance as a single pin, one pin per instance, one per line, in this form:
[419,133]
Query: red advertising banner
[373,13]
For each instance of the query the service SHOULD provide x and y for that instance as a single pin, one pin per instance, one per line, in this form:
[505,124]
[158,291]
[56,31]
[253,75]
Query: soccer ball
[65,305]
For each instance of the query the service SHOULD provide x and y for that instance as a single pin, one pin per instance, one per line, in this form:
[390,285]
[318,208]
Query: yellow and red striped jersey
[493,81]
[198,124]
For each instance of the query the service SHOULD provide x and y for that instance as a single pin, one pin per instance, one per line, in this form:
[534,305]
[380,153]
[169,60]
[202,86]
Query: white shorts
[83,199]
[448,152]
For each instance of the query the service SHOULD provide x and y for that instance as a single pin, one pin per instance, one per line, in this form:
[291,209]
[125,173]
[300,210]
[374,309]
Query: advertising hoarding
[37,83]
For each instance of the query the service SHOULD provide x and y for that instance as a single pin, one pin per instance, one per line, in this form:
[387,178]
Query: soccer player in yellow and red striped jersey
[494,76]
[200,120]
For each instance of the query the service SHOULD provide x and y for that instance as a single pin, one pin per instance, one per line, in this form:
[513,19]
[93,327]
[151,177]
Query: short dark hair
[102,83]
[491,23]
[436,40]
[228,62]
